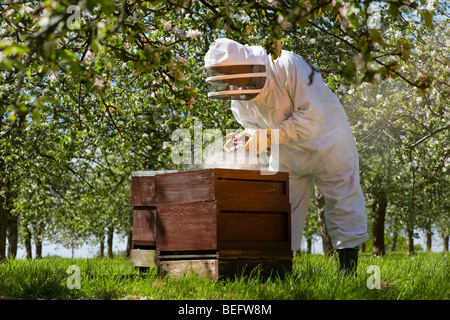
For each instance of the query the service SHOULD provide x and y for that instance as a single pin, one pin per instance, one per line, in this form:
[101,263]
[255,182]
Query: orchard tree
[398,128]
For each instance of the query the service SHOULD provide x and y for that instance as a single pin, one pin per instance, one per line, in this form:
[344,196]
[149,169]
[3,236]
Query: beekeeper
[314,138]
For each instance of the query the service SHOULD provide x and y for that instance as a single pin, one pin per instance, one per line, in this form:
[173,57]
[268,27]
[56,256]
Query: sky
[87,250]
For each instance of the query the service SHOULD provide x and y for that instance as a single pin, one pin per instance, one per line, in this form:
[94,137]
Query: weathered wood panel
[144,226]
[250,175]
[178,268]
[252,227]
[187,186]
[257,254]
[248,186]
[208,184]
[143,191]
[187,226]
[216,269]
[253,202]
[143,258]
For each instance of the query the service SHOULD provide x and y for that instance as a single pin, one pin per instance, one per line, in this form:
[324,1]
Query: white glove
[256,143]
[235,140]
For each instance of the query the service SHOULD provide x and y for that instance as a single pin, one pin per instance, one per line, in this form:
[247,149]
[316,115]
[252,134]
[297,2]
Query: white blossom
[99,83]
[26,8]
[52,77]
[193,33]
[344,10]
[167,25]
[44,21]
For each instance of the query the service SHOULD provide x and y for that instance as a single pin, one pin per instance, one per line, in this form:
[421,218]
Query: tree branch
[428,136]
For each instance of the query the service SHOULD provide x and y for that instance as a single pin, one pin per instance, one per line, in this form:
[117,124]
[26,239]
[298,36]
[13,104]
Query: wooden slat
[177,268]
[249,186]
[187,226]
[250,175]
[144,225]
[253,202]
[261,254]
[253,231]
[143,191]
[188,186]
[189,256]
[253,245]
[150,245]
[216,269]
[262,227]
[143,258]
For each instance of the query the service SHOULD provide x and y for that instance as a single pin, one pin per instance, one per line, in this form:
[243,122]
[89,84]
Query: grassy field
[424,276]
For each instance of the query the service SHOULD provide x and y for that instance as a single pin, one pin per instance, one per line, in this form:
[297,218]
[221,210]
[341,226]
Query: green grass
[424,276]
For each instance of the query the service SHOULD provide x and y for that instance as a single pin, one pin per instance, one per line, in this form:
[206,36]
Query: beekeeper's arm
[308,114]
[251,129]
[242,116]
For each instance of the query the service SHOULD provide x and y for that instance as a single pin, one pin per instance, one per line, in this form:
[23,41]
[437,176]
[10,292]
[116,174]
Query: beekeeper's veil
[235,71]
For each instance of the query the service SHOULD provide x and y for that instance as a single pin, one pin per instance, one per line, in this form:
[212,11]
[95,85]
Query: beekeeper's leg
[345,213]
[299,196]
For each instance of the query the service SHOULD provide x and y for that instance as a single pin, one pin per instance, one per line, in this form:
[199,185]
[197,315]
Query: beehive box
[212,221]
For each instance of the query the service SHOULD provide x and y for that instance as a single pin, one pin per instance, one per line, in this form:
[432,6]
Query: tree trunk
[101,252]
[4,212]
[379,216]
[429,236]
[38,236]
[109,249]
[445,243]
[28,249]
[409,241]
[309,246]
[129,243]
[13,236]
[3,228]
[394,241]
[327,247]
[38,246]
[130,236]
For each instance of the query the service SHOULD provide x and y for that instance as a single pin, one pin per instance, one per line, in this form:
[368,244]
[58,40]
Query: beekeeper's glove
[234,140]
[259,140]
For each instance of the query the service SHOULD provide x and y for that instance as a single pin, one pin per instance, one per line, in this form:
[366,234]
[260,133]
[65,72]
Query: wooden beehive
[212,217]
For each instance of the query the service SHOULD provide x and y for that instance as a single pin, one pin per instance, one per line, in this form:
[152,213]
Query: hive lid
[150,173]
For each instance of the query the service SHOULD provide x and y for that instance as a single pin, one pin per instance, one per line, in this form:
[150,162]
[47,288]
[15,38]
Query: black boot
[348,260]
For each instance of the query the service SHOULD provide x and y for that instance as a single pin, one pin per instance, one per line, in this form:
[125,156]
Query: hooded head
[235,71]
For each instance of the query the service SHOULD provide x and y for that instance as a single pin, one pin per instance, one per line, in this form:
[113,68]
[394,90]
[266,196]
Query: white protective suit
[316,144]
